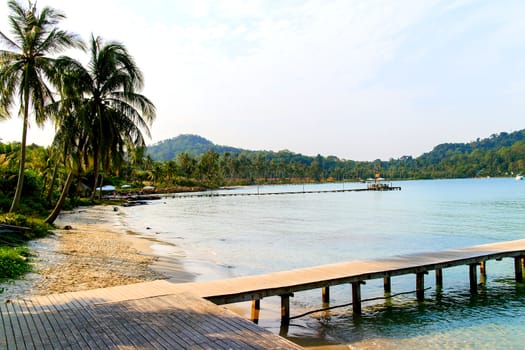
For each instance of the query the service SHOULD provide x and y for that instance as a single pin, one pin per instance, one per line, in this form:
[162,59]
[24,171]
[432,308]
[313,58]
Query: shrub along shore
[15,231]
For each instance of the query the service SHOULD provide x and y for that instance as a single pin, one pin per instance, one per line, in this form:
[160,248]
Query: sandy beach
[91,253]
[90,249]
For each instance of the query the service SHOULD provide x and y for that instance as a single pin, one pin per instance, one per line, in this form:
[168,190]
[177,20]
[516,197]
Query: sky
[358,79]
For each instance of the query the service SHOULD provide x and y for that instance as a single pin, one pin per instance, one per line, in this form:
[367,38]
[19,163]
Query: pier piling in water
[256,308]
[356,273]
[518,268]
[326,295]
[420,285]
[473,278]
[483,272]
[439,279]
[285,307]
[387,284]
[356,297]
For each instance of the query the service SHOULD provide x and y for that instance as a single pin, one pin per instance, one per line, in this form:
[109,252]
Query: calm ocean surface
[222,237]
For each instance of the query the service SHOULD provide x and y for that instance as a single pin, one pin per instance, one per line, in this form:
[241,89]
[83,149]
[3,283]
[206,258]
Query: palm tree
[71,141]
[25,67]
[113,112]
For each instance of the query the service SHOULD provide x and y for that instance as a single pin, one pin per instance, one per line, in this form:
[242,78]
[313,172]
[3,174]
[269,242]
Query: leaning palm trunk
[58,207]
[21,169]
[49,197]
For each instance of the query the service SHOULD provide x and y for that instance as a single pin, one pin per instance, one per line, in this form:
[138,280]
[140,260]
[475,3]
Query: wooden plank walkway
[286,283]
[164,315]
[129,317]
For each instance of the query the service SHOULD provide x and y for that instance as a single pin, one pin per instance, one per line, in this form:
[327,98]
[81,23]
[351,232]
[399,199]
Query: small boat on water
[519,177]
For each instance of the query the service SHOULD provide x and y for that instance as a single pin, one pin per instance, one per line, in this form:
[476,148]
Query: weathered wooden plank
[7,323]
[194,324]
[39,338]
[92,325]
[23,330]
[128,331]
[234,330]
[65,318]
[55,331]
[214,325]
[4,228]
[124,333]
[160,326]
[153,320]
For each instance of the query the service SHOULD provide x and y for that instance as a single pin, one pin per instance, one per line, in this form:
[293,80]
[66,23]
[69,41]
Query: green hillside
[500,154]
[193,145]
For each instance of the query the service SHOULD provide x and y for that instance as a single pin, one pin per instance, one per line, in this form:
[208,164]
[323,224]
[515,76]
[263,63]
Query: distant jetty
[370,187]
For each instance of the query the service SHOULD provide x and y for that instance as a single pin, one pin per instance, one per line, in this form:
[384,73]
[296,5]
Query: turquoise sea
[219,237]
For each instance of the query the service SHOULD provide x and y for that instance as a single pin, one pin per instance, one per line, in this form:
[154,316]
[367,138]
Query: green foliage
[37,228]
[499,155]
[193,145]
[32,202]
[14,262]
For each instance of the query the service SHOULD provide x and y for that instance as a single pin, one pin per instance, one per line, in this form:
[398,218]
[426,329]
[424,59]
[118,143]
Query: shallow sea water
[221,237]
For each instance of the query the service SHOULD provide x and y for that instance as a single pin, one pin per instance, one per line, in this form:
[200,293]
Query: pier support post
[473,277]
[256,308]
[439,279]
[420,286]
[285,308]
[356,297]
[518,268]
[326,295]
[387,283]
[483,272]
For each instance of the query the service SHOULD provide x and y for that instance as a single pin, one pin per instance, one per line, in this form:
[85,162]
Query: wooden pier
[356,273]
[370,187]
[139,316]
[164,315]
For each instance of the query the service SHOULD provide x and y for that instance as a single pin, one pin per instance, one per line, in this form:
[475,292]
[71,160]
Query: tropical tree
[187,164]
[112,111]
[71,141]
[26,65]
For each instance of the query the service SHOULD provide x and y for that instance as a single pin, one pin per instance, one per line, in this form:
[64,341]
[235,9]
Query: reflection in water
[404,322]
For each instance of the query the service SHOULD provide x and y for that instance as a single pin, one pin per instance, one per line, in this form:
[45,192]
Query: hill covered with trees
[199,163]
[193,145]
[498,155]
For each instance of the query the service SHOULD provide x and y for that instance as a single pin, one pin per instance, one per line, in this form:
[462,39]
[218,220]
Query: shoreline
[94,252]
[98,251]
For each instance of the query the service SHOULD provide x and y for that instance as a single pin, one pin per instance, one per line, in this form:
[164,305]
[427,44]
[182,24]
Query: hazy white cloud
[358,79]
